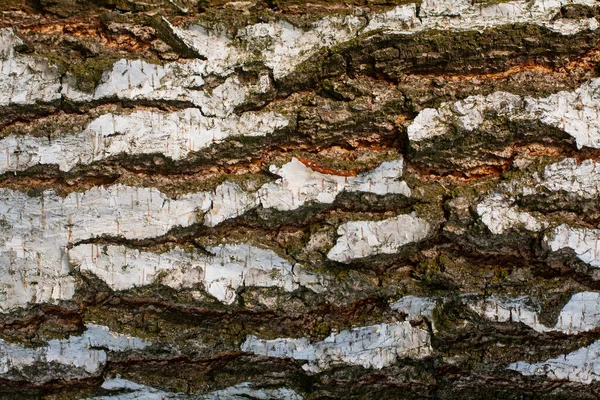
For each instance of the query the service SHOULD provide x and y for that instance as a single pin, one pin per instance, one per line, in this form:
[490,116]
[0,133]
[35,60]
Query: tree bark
[276,199]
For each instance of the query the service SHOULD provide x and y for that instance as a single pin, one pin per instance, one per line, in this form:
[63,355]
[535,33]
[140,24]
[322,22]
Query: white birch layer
[375,346]
[576,113]
[174,135]
[300,184]
[242,391]
[582,365]
[580,314]
[499,212]
[360,239]
[83,356]
[231,267]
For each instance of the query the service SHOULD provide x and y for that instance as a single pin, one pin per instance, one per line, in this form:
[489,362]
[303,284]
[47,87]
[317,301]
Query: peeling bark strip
[229,267]
[374,346]
[174,135]
[576,113]
[290,200]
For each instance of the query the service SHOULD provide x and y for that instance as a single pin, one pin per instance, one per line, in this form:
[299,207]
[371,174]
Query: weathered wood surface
[202,199]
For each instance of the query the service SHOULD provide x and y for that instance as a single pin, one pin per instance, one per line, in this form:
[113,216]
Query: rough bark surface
[205,199]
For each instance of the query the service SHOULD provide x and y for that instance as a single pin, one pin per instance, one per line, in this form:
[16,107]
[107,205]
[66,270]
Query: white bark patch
[399,19]
[231,267]
[211,43]
[84,355]
[438,8]
[360,239]
[382,180]
[174,135]
[499,214]
[584,242]
[280,45]
[576,113]
[228,201]
[509,310]
[375,346]
[140,80]
[134,391]
[580,314]
[415,307]
[582,366]
[37,230]
[466,115]
[571,177]
[25,79]
[245,391]
[300,184]
[240,391]
[466,15]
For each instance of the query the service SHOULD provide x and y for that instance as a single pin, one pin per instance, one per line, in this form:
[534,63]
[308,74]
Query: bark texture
[391,199]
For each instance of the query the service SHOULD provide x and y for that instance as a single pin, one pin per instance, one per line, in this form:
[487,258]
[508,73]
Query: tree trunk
[202,199]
